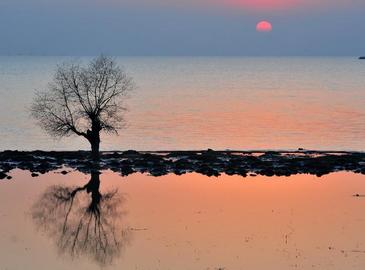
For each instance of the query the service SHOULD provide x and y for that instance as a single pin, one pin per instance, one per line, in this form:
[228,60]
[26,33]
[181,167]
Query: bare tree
[82,221]
[84,101]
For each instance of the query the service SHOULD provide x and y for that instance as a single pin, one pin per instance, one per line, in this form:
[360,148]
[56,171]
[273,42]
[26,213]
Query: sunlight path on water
[202,102]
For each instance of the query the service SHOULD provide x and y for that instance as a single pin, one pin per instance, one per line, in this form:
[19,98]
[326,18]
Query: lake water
[200,103]
[106,221]
[182,222]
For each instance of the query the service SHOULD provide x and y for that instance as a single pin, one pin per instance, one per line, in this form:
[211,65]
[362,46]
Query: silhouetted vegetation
[82,221]
[84,101]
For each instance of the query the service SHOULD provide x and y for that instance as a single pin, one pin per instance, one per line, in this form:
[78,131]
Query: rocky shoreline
[207,162]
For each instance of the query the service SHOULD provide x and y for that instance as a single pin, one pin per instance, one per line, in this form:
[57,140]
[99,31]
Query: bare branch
[83,100]
[82,221]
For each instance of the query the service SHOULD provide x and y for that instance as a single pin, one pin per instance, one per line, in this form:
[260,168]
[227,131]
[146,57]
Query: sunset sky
[182,27]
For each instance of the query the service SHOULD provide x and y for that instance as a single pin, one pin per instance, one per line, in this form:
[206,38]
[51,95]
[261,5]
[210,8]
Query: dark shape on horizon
[3,175]
[210,163]
[362,57]
[82,221]
[84,101]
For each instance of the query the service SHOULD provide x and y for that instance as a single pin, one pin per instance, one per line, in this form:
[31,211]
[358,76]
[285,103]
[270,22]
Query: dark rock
[179,172]
[152,158]
[114,155]
[126,170]
[34,174]
[209,162]
[208,171]
[113,163]
[284,171]
[230,171]
[267,172]
[242,172]
[182,164]
[180,154]
[130,153]
[158,172]
[207,158]
[3,175]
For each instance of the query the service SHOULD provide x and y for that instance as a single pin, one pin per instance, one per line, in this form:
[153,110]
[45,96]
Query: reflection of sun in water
[264,26]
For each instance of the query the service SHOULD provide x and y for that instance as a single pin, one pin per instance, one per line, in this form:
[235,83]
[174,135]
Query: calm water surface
[199,103]
[81,221]
[182,222]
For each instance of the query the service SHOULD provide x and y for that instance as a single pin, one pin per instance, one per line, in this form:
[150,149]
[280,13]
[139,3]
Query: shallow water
[183,222]
[200,103]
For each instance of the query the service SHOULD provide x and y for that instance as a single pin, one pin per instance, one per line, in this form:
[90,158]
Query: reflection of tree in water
[83,223]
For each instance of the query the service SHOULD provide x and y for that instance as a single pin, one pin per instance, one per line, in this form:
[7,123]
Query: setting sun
[182,134]
[264,26]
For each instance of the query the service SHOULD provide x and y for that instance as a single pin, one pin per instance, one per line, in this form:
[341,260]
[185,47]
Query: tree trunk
[93,188]
[93,137]
[95,145]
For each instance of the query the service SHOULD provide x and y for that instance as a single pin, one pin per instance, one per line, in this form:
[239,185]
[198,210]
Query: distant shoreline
[206,162]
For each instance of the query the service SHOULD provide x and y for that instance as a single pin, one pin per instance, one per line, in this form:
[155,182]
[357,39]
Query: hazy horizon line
[181,55]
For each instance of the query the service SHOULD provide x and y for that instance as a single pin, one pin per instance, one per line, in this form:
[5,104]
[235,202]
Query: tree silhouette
[84,101]
[83,223]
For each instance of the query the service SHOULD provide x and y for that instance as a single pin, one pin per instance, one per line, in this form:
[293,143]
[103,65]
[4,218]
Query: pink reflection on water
[256,222]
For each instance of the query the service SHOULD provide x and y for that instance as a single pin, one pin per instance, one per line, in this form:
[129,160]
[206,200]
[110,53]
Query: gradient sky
[181,27]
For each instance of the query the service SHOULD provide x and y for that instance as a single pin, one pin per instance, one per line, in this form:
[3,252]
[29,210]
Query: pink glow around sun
[266,4]
[264,26]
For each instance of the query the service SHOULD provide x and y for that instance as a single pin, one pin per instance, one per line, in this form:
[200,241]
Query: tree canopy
[83,100]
